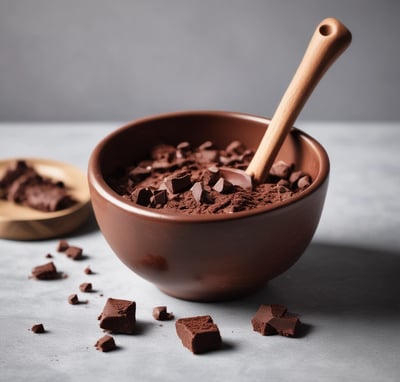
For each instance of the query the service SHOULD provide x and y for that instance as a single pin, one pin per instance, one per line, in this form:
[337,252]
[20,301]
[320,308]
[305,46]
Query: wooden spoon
[329,41]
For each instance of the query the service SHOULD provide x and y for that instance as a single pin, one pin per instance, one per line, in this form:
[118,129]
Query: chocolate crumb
[74,253]
[38,328]
[49,256]
[73,299]
[160,314]
[105,344]
[86,287]
[88,271]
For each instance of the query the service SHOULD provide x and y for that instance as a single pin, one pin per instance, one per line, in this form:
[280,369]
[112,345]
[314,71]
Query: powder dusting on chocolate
[22,184]
[188,180]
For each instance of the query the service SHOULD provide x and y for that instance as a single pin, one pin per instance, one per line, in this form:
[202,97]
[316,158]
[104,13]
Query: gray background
[97,60]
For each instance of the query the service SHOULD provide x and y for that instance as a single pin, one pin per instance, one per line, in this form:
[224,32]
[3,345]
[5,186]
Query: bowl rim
[97,181]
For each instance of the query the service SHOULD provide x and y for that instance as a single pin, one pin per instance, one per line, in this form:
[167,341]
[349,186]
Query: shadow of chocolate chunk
[105,344]
[178,183]
[199,334]
[118,316]
[46,271]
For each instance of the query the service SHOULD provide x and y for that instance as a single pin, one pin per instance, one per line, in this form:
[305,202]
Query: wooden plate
[24,223]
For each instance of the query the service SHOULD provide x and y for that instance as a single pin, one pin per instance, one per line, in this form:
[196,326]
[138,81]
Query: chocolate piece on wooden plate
[21,222]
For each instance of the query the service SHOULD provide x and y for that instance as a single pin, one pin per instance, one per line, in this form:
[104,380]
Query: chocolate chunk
[159,198]
[281,169]
[304,182]
[38,328]
[46,271]
[199,334]
[75,253]
[160,313]
[62,246]
[142,196]
[73,299]
[285,326]
[211,175]
[86,287]
[105,344]
[274,319]
[223,186]
[179,183]
[49,256]
[88,271]
[118,316]
[201,195]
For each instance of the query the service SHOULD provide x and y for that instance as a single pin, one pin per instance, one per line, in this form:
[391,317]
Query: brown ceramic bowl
[210,257]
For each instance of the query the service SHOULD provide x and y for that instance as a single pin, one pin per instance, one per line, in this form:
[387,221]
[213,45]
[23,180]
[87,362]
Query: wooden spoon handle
[329,41]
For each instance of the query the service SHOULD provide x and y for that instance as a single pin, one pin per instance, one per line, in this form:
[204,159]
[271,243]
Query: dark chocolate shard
[178,183]
[199,194]
[105,344]
[211,176]
[199,334]
[142,196]
[223,186]
[118,316]
[159,198]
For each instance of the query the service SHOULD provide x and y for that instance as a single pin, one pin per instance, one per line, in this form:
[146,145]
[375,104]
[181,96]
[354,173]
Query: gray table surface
[345,287]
